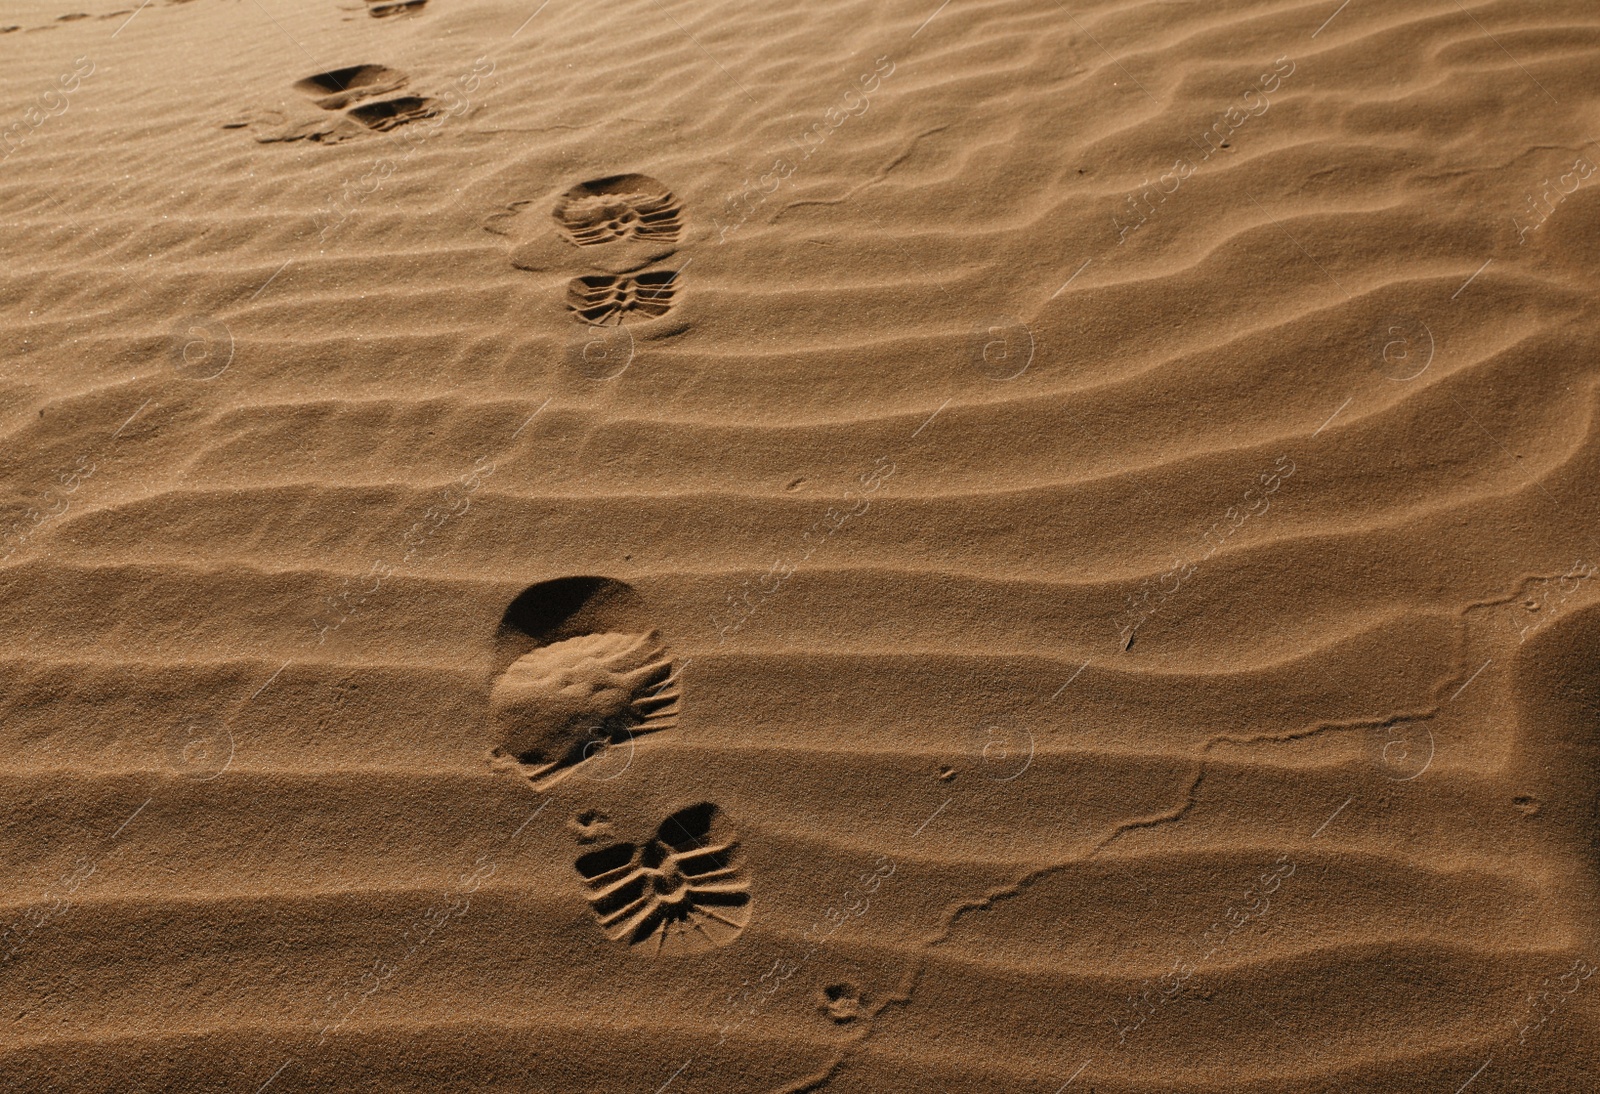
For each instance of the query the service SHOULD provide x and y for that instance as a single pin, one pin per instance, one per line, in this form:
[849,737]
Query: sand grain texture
[679,547]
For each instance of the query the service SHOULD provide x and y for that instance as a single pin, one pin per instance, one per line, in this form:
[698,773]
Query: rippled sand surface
[705,547]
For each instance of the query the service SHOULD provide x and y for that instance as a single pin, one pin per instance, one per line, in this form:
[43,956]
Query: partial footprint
[619,207]
[617,225]
[605,300]
[843,1002]
[681,892]
[338,89]
[581,700]
[390,113]
[590,826]
[382,9]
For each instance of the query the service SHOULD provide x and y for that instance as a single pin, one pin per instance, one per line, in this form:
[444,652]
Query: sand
[705,547]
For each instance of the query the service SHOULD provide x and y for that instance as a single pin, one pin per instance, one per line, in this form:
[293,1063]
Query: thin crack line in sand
[707,52]
[911,981]
[530,418]
[1075,1075]
[274,1076]
[268,684]
[131,417]
[271,279]
[673,278]
[674,1075]
[1330,19]
[1071,279]
[1334,415]
[1335,813]
[129,821]
[530,18]
[1070,679]
[954,914]
[929,19]
[935,813]
[931,417]
[1471,678]
[1470,280]
[130,18]
[1519,591]
[883,173]
[1475,1074]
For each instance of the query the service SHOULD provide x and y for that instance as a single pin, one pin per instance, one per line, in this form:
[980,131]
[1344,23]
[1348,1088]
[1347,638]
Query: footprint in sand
[578,678]
[341,87]
[603,300]
[352,96]
[582,701]
[391,113]
[843,1002]
[383,9]
[682,891]
[622,207]
[610,231]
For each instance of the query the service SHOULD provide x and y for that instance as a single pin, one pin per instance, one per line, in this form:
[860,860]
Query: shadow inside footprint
[390,113]
[604,299]
[683,891]
[619,224]
[382,9]
[339,88]
[578,675]
[619,207]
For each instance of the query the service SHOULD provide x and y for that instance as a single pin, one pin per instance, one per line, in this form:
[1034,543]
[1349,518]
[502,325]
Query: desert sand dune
[1003,545]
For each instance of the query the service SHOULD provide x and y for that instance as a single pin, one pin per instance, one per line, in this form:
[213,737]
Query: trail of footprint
[618,225]
[391,113]
[575,684]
